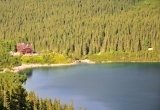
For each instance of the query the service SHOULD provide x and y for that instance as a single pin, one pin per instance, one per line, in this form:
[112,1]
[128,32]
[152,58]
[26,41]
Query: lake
[112,86]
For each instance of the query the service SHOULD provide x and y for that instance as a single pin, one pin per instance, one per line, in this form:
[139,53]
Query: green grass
[145,3]
[46,58]
[143,56]
[148,2]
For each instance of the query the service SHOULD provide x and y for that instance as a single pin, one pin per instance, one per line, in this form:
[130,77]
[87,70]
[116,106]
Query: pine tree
[18,98]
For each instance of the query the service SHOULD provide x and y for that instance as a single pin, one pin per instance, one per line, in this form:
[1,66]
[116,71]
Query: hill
[83,27]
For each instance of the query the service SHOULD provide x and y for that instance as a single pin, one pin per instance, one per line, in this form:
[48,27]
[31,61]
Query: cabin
[24,48]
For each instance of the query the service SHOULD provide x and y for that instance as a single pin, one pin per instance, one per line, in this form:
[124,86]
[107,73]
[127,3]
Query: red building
[24,48]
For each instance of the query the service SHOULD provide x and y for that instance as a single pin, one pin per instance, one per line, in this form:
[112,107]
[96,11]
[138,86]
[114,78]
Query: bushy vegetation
[13,96]
[6,60]
[79,27]
[46,59]
[125,57]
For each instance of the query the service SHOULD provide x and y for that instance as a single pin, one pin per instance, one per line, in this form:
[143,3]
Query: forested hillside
[82,27]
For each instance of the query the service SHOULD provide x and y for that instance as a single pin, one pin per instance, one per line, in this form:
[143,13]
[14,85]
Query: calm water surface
[113,86]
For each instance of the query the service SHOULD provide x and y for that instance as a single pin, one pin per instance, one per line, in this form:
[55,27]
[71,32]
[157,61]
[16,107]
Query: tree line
[6,60]
[79,27]
[13,96]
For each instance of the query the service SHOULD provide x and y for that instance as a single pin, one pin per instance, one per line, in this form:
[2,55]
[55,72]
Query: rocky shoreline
[26,66]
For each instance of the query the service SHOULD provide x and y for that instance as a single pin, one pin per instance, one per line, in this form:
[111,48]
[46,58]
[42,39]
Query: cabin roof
[24,46]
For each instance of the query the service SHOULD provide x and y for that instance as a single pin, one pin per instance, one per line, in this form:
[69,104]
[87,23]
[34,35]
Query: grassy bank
[125,57]
[49,58]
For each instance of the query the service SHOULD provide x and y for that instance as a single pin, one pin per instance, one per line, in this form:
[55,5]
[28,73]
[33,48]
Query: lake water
[113,86]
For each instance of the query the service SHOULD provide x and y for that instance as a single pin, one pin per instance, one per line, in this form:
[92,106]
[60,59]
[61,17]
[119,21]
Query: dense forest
[100,30]
[83,27]
[13,96]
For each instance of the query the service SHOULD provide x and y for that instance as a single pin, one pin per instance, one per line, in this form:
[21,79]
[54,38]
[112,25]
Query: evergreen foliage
[79,27]
[14,97]
[6,60]
[100,30]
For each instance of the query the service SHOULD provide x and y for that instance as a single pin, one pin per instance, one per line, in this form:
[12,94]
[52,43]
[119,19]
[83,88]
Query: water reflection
[28,72]
[115,86]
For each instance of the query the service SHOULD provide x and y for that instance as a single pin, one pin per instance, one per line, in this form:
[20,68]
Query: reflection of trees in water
[28,72]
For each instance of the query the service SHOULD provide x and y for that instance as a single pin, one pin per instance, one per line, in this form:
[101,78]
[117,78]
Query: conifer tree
[18,101]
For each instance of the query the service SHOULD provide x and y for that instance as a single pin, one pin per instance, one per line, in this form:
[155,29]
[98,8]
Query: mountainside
[82,27]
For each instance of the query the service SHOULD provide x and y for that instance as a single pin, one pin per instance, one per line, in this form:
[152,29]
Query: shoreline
[27,66]
[86,61]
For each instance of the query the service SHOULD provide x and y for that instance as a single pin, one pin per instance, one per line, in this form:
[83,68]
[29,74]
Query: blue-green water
[113,86]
